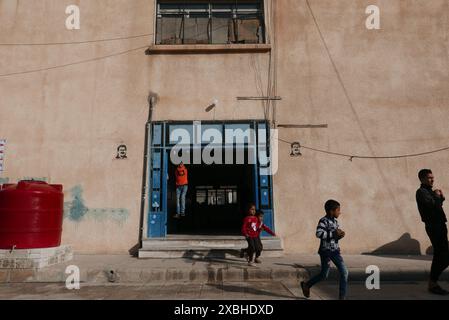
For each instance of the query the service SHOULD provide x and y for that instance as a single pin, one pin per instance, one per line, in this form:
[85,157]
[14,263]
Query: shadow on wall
[429,250]
[405,245]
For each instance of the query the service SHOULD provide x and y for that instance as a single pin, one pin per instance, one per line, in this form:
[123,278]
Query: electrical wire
[74,63]
[346,93]
[76,42]
[82,61]
[351,157]
[96,40]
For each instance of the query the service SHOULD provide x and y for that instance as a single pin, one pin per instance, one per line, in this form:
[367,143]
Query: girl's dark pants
[254,247]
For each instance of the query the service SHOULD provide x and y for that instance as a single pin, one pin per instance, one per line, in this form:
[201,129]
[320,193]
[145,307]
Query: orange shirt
[181,176]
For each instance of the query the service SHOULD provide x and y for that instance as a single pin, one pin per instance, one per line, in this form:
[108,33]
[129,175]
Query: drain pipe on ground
[152,100]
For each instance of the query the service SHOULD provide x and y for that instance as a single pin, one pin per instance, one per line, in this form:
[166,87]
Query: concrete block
[24,263]
[35,258]
[177,275]
[8,264]
[152,276]
[19,275]
[199,275]
[283,274]
[127,275]
[256,274]
[51,275]
[4,276]
[233,275]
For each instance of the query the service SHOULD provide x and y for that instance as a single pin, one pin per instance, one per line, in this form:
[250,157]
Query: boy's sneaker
[257,260]
[305,289]
[251,264]
[177,216]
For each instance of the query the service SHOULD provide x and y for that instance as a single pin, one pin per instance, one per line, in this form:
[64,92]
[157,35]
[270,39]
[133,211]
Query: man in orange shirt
[182,185]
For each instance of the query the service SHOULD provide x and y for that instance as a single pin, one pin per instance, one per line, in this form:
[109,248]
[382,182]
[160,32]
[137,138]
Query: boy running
[329,232]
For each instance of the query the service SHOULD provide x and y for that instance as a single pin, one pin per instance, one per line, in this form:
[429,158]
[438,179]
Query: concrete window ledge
[208,49]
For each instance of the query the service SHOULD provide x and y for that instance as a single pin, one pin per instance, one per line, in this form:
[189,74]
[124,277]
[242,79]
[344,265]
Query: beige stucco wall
[65,124]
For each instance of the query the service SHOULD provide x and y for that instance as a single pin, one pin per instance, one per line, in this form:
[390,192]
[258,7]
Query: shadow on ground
[251,290]
[217,256]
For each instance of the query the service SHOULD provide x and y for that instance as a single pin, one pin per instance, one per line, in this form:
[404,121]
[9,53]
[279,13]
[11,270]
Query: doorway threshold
[181,246]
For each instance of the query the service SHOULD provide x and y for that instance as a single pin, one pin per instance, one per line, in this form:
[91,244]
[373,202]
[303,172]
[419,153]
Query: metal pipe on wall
[152,100]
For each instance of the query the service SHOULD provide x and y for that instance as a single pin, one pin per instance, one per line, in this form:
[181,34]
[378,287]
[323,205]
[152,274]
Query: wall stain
[4,180]
[76,210]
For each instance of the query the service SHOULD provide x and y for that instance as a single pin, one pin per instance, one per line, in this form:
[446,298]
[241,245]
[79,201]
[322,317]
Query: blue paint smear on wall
[4,180]
[76,210]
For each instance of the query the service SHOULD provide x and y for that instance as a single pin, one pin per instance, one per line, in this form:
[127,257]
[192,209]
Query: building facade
[95,108]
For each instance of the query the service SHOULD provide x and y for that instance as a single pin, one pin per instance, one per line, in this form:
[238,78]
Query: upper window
[210,22]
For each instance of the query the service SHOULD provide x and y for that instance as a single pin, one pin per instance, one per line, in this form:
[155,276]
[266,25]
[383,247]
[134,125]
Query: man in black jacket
[430,206]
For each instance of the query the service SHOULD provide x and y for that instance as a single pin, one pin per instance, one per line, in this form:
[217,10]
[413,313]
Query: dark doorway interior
[216,201]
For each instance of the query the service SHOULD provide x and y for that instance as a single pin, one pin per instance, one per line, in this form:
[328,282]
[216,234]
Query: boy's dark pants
[438,236]
[254,246]
[337,259]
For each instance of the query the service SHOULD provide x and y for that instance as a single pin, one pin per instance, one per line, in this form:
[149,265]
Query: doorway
[216,201]
[218,194]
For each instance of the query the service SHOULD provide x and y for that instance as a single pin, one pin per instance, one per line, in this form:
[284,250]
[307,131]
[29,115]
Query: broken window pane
[196,29]
[249,30]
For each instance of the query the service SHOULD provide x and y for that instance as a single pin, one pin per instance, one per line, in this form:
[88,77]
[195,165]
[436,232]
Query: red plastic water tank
[31,214]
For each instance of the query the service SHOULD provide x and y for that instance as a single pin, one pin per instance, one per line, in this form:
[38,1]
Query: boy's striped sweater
[327,232]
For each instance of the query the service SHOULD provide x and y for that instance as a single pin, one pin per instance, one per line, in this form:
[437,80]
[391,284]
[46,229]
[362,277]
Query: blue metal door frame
[158,173]
[157,216]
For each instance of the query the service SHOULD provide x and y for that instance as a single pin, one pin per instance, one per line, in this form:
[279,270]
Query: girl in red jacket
[252,228]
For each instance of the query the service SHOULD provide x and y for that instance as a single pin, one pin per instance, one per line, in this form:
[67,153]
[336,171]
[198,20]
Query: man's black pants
[438,236]
[254,246]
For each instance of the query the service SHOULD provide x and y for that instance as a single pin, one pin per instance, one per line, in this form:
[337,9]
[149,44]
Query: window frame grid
[237,14]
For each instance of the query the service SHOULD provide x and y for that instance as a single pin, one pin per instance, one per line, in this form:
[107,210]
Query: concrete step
[103,269]
[121,274]
[204,246]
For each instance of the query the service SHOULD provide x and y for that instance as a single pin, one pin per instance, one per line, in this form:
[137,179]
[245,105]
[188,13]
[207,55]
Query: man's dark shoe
[305,289]
[439,291]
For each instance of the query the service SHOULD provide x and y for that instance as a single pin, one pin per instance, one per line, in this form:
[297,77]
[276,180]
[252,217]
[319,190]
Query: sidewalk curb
[201,275]
[404,275]
[155,276]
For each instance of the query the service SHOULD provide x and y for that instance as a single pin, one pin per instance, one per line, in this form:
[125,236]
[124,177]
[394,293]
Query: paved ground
[274,290]
[95,269]
[402,277]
